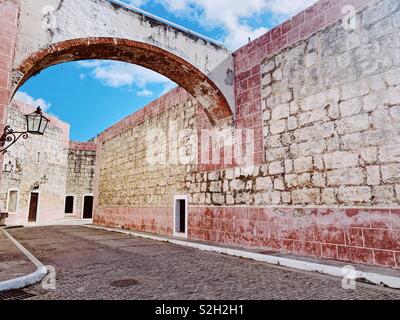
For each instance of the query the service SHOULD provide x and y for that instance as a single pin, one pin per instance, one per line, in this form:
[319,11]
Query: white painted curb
[29,279]
[374,278]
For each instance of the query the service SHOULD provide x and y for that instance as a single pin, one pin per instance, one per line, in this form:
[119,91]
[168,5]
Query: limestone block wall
[328,104]
[41,159]
[80,173]
[133,191]
[321,95]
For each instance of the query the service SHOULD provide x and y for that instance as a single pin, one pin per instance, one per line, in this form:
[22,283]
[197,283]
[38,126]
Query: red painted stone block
[397,258]
[331,235]
[287,245]
[333,14]
[357,218]
[312,26]
[255,81]
[4,96]
[356,255]
[380,218]
[256,93]
[3,79]
[329,251]
[242,86]
[385,258]
[270,242]
[395,219]
[382,239]
[6,46]
[354,237]
[324,5]
[244,97]
[359,255]
[254,107]
[259,158]
[256,69]
[356,3]
[8,30]
[276,32]
[264,39]
[311,12]
[277,44]
[308,248]
[293,36]
[5,62]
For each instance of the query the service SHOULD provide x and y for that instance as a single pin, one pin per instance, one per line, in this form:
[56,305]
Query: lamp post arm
[10,136]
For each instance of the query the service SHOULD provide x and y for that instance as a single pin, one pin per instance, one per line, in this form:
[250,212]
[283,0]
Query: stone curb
[360,276]
[21,282]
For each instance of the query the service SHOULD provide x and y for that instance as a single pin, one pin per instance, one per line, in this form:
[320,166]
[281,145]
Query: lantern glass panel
[43,125]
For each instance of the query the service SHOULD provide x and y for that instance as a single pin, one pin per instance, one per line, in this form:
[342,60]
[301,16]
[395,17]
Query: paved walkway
[96,264]
[13,263]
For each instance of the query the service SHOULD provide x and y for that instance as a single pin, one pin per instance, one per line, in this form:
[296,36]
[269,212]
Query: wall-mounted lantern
[8,168]
[36,124]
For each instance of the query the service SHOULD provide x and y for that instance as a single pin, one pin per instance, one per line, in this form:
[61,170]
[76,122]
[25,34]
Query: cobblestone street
[95,264]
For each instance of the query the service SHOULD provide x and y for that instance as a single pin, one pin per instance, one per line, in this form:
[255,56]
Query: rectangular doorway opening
[33,207]
[181,216]
[69,205]
[88,207]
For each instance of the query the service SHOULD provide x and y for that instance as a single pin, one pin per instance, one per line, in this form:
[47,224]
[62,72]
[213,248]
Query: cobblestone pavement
[88,263]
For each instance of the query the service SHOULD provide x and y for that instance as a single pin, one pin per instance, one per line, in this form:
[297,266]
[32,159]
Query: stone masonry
[39,159]
[59,166]
[326,184]
[127,181]
[320,93]
[80,173]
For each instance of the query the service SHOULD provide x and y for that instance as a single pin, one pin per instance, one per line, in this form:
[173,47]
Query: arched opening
[173,67]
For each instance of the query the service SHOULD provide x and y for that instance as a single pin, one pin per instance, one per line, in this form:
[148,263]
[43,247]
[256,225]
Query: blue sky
[91,96]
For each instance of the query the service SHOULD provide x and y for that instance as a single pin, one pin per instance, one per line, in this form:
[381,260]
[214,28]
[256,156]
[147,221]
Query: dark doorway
[88,207]
[69,205]
[33,207]
[180,216]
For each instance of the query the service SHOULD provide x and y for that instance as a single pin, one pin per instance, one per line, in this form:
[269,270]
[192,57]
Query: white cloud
[229,15]
[145,93]
[124,75]
[26,98]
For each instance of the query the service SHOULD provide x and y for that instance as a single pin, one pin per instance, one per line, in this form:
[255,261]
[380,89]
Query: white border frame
[73,204]
[83,204]
[38,206]
[8,200]
[186,199]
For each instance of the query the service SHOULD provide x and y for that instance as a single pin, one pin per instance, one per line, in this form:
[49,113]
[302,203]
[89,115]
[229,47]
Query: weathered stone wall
[80,173]
[40,159]
[133,192]
[322,101]
[329,110]
[8,38]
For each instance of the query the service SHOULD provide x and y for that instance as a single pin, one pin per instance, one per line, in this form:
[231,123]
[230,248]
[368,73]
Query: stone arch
[159,60]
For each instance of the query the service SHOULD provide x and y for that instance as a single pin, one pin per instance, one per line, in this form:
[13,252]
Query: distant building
[46,178]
